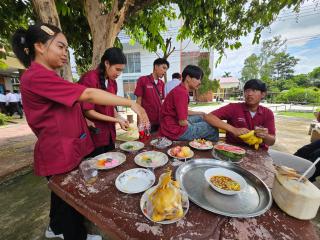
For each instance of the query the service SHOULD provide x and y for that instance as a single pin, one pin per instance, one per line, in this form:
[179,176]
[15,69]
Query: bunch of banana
[251,139]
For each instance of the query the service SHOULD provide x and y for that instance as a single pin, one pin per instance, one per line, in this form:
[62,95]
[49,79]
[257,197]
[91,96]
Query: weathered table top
[119,214]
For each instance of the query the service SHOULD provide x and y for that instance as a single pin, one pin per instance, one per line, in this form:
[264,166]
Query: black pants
[3,107]
[102,149]
[311,152]
[15,107]
[65,220]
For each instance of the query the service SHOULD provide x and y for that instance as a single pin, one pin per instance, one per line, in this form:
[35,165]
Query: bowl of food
[225,181]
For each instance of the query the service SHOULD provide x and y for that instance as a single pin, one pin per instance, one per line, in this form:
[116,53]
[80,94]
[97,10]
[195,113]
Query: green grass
[202,104]
[298,114]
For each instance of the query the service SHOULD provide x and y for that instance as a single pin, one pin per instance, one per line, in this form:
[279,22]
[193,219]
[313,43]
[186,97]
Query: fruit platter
[201,144]
[227,152]
[179,152]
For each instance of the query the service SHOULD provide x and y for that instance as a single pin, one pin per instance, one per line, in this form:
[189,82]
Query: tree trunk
[104,27]
[47,12]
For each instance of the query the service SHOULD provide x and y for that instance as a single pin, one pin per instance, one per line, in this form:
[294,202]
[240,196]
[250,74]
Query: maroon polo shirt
[174,109]
[107,130]
[151,99]
[55,117]
[238,115]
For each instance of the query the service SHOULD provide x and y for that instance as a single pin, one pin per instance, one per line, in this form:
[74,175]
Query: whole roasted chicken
[166,199]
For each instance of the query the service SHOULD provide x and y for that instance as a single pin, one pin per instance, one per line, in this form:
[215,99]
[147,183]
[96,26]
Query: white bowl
[228,173]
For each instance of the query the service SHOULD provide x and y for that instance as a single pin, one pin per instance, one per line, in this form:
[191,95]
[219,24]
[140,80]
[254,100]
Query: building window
[129,85]
[15,81]
[133,63]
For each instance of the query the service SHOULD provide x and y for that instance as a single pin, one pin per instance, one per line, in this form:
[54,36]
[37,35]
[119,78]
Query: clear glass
[88,172]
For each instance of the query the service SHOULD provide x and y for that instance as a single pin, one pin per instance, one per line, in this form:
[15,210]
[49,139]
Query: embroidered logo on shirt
[239,119]
[149,86]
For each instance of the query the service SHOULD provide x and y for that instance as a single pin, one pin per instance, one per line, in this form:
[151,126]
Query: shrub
[309,95]
[4,118]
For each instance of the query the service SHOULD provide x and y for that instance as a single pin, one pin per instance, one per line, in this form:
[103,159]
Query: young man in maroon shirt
[179,123]
[150,92]
[244,117]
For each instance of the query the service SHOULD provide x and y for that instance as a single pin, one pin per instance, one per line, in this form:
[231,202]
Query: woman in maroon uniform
[104,117]
[54,115]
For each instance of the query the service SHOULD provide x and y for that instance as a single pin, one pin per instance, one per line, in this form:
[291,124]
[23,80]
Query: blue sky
[302,32]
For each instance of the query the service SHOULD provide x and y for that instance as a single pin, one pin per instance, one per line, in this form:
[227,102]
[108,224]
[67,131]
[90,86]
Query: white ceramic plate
[228,173]
[145,206]
[131,146]
[115,159]
[151,159]
[180,158]
[206,146]
[135,180]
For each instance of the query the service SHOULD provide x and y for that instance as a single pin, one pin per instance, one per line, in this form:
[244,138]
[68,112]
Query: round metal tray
[255,200]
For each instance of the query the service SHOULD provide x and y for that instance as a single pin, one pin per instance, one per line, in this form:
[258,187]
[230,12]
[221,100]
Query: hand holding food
[142,115]
[251,139]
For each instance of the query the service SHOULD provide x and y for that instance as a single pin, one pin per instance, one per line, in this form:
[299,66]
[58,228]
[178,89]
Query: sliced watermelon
[231,152]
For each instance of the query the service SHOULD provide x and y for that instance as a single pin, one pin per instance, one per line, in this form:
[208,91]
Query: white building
[140,61]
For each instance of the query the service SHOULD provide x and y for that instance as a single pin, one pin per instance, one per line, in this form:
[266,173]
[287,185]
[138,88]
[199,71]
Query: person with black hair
[150,92]
[246,116]
[176,80]
[103,117]
[311,152]
[176,121]
[53,112]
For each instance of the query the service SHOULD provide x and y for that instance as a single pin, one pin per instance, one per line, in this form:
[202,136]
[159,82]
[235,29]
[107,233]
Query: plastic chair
[292,161]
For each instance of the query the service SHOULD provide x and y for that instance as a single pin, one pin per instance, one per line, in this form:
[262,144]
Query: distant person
[2,103]
[179,123]
[150,92]
[16,104]
[246,116]
[8,95]
[176,80]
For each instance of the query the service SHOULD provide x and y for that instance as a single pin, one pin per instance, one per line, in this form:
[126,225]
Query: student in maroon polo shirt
[179,123]
[246,116]
[150,92]
[54,115]
[104,117]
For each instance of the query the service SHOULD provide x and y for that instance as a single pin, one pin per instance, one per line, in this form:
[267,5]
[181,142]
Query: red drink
[141,136]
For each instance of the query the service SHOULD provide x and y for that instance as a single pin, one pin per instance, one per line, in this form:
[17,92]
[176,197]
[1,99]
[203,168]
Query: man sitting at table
[246,116]
[176,121]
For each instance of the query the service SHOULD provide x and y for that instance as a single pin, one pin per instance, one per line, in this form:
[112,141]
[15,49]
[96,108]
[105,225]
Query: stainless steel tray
[252,202]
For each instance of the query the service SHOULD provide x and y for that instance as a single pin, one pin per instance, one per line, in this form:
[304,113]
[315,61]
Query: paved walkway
[16,149]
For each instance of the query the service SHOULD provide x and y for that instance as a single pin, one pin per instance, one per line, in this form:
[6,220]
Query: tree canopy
[93,25]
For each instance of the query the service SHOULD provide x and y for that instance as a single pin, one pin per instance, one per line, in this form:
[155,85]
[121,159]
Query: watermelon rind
[229,152]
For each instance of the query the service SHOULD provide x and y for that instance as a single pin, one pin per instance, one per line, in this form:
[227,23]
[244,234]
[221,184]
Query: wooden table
[120,217]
